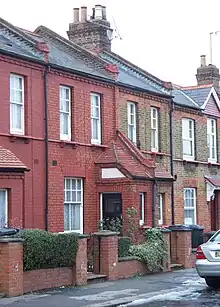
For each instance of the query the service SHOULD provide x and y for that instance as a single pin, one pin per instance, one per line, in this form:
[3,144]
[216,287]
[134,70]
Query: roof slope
[198,93]
[131,74]
[9,160]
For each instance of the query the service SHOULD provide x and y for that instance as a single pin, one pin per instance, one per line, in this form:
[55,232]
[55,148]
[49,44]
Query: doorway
[111,209]
[215,207]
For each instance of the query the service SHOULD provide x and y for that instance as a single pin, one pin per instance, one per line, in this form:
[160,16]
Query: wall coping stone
[106,233]
[11,240]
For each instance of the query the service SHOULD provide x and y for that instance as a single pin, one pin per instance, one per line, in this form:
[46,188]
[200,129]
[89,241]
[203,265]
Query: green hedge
[124,244]
[43,249]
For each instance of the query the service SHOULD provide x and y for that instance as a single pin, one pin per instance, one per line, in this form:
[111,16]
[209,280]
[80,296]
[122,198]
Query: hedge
[124,244]
[43,249]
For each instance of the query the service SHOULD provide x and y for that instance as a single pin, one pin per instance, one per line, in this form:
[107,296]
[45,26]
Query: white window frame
[72,203]
[142,207]
[132,136]
[192,208]
[6,208]
[186,137]
[21,104]
[64,136]
[95,119]
[160,208]
[154,128]
[210,135]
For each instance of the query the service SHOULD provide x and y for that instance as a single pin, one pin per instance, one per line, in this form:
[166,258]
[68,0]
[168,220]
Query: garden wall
[130,268]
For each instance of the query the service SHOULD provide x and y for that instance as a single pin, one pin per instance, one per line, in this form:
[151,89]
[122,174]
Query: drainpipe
[171,162]
[45,77]
[154,195]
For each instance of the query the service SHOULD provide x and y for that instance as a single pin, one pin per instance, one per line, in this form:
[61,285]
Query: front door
[111,207]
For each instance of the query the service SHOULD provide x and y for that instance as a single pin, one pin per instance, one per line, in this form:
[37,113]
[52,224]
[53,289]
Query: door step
[176,266]
[93,278]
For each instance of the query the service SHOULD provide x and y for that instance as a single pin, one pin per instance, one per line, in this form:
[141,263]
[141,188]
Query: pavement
[178,288]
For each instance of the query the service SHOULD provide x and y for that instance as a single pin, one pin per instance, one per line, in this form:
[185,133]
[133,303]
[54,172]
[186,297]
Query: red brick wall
[48,278]
[130,268]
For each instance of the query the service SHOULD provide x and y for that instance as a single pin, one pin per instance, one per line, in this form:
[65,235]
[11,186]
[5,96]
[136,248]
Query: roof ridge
[18,31]
[137,68]
[71,44]
[197,86]
[138,154]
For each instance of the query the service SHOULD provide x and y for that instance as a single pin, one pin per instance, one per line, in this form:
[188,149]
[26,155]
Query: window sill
[155,153]
[75,144]
[15,137]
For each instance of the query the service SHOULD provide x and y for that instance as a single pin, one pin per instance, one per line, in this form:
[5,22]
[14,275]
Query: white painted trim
[6,206]
[142,194]
[212,92]
[210,134]
[110,173]
[186,157]
[194,201]
[66,137]
[156,129]
[160,205]
[96,141]
[14,130]
[134,136]
[101,206]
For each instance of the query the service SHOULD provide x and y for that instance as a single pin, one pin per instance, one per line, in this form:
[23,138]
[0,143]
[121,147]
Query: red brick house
[74,146]
[196,129]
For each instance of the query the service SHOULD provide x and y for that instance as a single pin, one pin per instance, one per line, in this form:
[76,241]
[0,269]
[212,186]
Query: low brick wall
[47,279]
[129,268]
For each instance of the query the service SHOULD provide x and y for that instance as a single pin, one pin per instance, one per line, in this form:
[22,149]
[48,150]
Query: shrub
[43,249]
[153,252]
[112,224]
[124,244]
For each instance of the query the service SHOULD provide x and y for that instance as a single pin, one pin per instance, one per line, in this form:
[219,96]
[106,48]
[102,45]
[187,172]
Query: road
[179,288]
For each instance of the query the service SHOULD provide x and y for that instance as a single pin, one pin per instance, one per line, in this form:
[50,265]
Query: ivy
[153,252]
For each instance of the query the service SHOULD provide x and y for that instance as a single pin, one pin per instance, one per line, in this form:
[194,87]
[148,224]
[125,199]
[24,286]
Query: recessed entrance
[110,206]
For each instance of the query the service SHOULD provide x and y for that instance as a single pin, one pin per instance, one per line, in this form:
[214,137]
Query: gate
[93,254]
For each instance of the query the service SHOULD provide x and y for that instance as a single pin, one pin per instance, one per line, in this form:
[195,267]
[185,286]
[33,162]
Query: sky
[164,37]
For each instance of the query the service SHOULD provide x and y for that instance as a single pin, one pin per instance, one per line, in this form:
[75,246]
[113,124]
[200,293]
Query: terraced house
[196,149]
[84,134]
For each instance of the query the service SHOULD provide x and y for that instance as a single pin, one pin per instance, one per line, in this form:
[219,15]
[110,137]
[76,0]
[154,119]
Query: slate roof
[130,74]
[9,160]
[182,99]
[214,180]
[198,94]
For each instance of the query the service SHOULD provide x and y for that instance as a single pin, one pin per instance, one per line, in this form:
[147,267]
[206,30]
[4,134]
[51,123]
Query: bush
[124,244]
[43,249]
[153,252]
[112,224]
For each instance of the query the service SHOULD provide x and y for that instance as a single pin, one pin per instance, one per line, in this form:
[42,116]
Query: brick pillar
[181,245]
[166,236]
[80,268]
[108,253]
[11,266]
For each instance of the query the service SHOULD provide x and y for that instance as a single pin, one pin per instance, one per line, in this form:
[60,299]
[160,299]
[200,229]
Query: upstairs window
[188,137]
[16,104]
[212,140]
[65,113]
[154,130]
[95,118]
[132,122]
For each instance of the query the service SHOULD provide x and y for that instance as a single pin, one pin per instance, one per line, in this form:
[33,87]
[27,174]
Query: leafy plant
[124,244]
[43,249]
[112,224]
[153,252]
[132,223]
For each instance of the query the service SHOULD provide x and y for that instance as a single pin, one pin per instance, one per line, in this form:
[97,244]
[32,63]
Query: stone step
[93,278]
[176,266]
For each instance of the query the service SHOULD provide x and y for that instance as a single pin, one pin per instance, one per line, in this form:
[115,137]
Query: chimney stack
[104,16]
[83,13]
[98,11]
[76,15]
[203,60]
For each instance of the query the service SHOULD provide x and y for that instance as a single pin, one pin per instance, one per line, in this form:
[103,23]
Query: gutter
[171,162]
[45,77]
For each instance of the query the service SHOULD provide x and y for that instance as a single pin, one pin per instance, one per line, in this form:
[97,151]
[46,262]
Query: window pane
[68,196]
[141,207]
[74,196]
[95,112]
[3,218]
[187,147]
[79,184]
[16,116]
[64,123]
[67,182]
[95,129]
[66,218]
[131,132]
[73,185]
[153,138]
[75,217]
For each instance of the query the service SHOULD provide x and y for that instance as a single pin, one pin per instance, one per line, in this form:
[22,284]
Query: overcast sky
[165,37]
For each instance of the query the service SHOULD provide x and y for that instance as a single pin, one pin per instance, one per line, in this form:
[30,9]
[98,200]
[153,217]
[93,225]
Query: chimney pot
[83,13]
[98,11]
[76,14]
[203,60]
[104,16]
